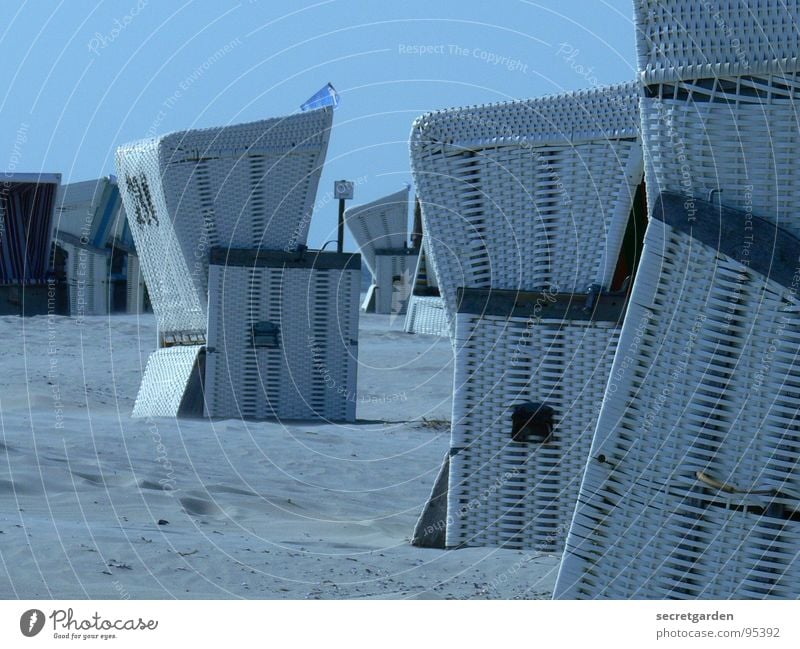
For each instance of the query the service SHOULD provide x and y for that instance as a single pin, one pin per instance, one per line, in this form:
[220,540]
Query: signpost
[343,190]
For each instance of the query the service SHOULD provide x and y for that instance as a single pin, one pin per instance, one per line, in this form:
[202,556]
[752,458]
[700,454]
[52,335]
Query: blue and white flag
[326,96]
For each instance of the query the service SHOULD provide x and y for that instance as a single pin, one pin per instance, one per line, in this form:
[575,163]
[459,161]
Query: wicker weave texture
[381,225]
[511,193]
[426,315]
[89,210]
[248,185]
[307,370]
[686,39]
[721,140]
[703,393]
[514,494]
[165,380]
[691,489]
[134,285]
[87,277]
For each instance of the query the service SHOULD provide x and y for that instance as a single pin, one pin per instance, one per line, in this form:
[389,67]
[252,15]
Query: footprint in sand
[25,487]
[9,487]
[54,458]
[225,489]
[105,480]
[200,507]
[156,486]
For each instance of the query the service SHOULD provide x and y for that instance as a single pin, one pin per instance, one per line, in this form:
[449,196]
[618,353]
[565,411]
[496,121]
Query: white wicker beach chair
[512,192]
[89,210]
[88,270]
[283,335]
[134,285]
[380,229]
[27,203]
[394,281]
[242,186]
[525,206]
[90,226]
[425,313]
[692,488]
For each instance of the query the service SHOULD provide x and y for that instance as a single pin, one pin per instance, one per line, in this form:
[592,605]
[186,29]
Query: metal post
[343,190]
[340,243]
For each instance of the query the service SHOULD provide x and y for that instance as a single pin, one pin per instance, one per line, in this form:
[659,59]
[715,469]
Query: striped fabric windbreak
[26,212]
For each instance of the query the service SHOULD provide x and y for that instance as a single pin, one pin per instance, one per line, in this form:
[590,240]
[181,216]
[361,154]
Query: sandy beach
[94,504]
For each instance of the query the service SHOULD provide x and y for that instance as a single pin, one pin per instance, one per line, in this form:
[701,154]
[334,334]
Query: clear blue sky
[76,85]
